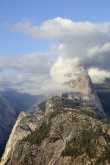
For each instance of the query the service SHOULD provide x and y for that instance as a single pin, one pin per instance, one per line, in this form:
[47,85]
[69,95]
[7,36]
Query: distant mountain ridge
[21,101]
[103,91]
[7,119]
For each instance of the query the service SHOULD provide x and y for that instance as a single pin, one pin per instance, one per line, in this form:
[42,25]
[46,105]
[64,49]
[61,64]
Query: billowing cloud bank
[73,43]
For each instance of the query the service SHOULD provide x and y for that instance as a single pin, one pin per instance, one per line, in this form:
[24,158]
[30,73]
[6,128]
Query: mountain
[70,129]
[21,101]
[103,91]
[83,87]
[7,120]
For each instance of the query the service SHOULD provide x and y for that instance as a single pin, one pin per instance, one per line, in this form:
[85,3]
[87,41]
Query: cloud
[27,63]
[60,28]
[26,73]
[61,72]
[73,42]
[98,76]
[63,69]
[84,40]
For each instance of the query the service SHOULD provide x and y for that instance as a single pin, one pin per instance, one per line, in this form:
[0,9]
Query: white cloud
[60,27]
[74,42]
[27,63]
[98,76]
[63,69]
[84,40]
[26,73]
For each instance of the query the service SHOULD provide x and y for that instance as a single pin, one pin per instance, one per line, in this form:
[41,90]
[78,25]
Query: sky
[37,37]
[12,11]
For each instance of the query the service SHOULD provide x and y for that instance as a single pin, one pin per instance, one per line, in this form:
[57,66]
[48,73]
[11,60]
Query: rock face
[11,104]
[85,90]
[7,120]
[67,130]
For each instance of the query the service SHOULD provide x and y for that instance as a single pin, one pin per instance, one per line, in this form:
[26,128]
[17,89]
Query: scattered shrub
[105,156]
[37,136]
[53,114]
[89,111]
[84,142]
[42,106]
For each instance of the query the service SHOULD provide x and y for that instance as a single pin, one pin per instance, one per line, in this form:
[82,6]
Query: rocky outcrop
[58,135]
[84,88]
[25,124]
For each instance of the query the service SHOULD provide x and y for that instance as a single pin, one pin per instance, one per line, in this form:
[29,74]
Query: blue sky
[12,11]
[38,38]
